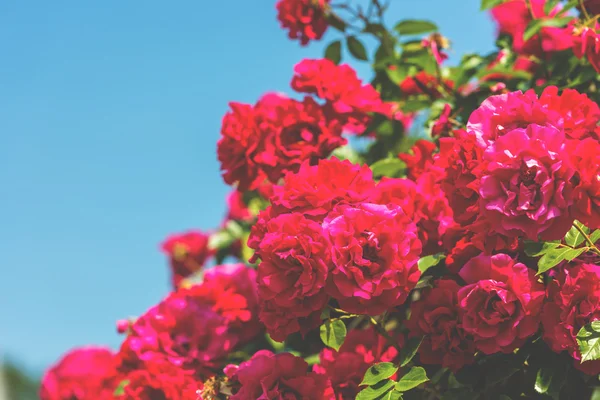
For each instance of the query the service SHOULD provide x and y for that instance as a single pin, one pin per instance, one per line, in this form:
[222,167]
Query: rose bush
[428,234]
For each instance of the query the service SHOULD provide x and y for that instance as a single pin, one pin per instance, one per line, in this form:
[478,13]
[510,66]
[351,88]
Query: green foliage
[333,332]
[412,379]
[588,340]
[537,24]
[430,261]
[415,27]
[376,391]
[356,48]
[334,51]
[409,350]
[378,372]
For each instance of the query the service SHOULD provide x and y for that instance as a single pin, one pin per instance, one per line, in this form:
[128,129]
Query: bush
[450,253]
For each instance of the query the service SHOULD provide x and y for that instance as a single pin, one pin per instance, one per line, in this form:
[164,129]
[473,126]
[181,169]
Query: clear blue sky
[109,117]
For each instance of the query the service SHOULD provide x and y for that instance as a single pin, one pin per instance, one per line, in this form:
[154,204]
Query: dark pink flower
[86,373]
[573,301]
[315,190]
[525,185]
[196,328]
[375,253]
[277,376]
[585,156]
[436,316]
[500,304]
[304,19]
[346,368]
[188,253]
[294,264]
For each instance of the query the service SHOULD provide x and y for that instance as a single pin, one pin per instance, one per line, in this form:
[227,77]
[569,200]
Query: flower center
[370,246]
[528,174]
[300,132]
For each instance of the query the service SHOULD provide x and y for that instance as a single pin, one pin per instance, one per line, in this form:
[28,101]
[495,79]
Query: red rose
[575,112]
[423,202]
[573,301]
[306,20]
[86,373]
[277,376]
[239,142]
[294,132]
[586,157]
[349,98]
[188,252]
[421,159]
[500,304]
[196,328]
[460,156]
[346,368]
[294,266]
[315,190]
[159,381]
[375,249]
[274,137]
[513,17]
[587,43]
[436,316]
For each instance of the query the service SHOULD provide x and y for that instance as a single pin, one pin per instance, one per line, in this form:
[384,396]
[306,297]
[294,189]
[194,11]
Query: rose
[277,376]
[294,266]
[156,381]
[85,373]
[500,304]
[188,252]
[375,249]
[346,368]
[305,19]
[573,301]
[586,156]
[315,190]
[524,185]
[436,316]
[196,328]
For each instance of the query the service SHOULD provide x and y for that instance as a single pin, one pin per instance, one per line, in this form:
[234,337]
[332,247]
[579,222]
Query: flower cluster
[326,236]
[278,134]
[433,230]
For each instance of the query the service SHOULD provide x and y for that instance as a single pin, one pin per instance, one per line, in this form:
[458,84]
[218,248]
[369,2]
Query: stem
[381,330]
[587,239]
[583,9]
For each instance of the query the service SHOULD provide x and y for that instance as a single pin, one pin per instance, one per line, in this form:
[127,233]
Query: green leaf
[312,359]
[430,261]
[595,236]
[336,22]
[543,379]
[412,379]
[390,167]
[574,237]
[536,249]
[333,333]
[534,26]
[334,51]
[392,395]
[409,350]
[588,340]
[378,372]
[120,390]
[487,4]
[554,257]
[415,27]
[357,49]
[375,391]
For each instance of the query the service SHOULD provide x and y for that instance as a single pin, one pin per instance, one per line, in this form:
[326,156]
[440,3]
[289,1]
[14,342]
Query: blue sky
[109,117]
